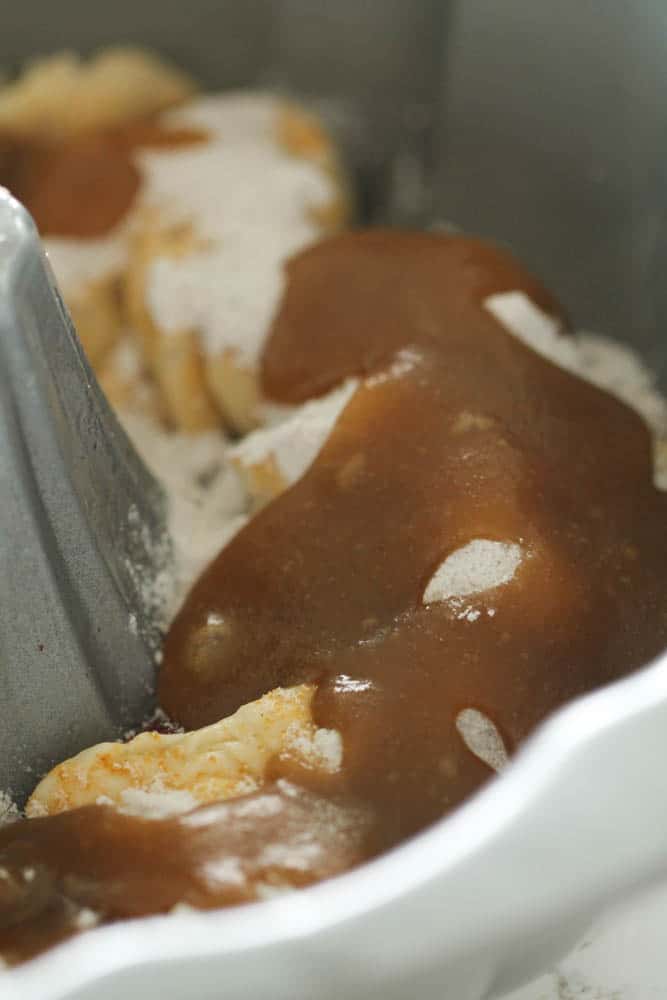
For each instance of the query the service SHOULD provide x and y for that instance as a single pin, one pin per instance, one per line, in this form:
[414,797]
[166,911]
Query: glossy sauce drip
[83,187]
[463,433]
[61,874]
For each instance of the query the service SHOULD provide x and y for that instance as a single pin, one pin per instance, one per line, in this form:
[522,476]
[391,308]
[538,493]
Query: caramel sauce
[58,873]
[82,188]
[461,432]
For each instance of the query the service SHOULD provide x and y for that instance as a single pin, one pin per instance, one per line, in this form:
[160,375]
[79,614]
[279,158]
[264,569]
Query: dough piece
[271,459]
[218,762]
[205,274]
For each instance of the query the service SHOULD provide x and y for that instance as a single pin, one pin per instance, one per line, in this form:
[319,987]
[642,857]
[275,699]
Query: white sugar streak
[250,201]
[295,443]
[478,566]
[482,738]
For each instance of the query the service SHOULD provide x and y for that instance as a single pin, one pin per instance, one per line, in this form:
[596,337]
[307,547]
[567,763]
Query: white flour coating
[537,329]
[482,738]
[296,436]
[295,443]
[604,362]
[249,201]
[322,750]
[235,116]
[246,197]
[328,822]
[478,566]
[158,803]
[205,499]
[78,262]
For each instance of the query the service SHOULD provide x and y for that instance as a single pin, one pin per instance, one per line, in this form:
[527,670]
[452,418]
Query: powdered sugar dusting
[206,503]
[156,803]
[482,738]
[235,117]
[478,566]
[534,327]
[249,201]
[322,749]
[295,443]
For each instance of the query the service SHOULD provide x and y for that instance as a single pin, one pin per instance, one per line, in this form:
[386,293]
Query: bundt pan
[539,125]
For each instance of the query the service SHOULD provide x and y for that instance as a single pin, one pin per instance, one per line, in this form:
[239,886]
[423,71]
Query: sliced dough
[205,273]
[174,359]
[220,761]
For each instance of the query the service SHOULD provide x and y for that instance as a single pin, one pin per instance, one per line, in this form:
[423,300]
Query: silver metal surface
[80,526]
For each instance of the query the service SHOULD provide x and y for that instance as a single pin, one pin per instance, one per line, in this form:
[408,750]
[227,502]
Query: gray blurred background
[539,124]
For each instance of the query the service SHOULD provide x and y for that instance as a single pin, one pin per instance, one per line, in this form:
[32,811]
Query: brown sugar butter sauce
[458,432]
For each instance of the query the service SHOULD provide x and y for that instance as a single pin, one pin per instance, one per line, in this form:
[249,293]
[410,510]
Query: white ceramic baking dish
[470,908]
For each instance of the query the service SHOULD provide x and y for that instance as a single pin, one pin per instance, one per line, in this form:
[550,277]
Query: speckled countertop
[623,957]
